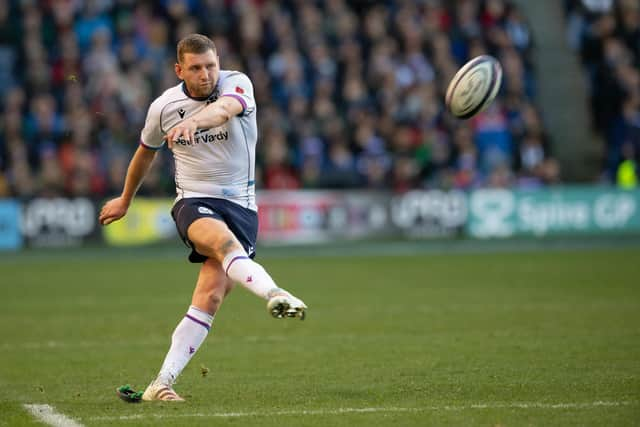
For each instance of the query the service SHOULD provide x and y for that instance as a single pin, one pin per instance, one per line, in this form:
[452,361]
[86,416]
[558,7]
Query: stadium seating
[606,36]
[349,93]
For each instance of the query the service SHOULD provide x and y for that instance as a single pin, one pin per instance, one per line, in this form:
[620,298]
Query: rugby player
[209,123]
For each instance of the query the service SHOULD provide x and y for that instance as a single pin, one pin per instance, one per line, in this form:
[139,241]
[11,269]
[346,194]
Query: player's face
[199,71]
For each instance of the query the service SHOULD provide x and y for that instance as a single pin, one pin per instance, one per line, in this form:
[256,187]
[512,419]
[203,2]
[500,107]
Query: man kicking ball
[209,123]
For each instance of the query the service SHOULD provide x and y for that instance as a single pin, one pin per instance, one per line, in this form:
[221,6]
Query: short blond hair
[194,43]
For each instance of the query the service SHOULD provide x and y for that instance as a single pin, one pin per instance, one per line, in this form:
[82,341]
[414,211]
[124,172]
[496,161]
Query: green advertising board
[561,211]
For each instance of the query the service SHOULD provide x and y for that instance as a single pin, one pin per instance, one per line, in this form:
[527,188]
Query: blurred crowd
[349,93]
[606,33]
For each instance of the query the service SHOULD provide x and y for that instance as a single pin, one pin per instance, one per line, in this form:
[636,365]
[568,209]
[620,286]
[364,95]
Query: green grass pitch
[529,338]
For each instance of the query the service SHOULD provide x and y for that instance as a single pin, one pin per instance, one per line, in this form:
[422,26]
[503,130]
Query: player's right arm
[139,166]
[151,140]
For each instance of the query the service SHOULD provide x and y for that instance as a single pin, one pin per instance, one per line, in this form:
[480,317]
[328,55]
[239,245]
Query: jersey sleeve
[152,134]
[238,86]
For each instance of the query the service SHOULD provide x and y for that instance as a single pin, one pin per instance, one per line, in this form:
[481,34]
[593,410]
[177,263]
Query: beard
[199,90]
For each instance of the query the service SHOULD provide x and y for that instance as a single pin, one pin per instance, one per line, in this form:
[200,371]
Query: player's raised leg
[212,238]
[211,288]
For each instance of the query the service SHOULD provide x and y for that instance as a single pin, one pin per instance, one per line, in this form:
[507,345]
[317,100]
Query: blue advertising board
[10,236]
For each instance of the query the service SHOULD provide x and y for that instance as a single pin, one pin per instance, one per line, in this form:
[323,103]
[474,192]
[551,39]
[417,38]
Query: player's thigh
[212,286]
[212,238]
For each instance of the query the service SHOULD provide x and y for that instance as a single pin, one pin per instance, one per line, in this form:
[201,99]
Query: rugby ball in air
[474,86]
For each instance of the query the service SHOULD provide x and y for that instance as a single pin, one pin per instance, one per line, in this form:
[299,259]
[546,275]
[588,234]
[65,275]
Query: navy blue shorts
[242,222]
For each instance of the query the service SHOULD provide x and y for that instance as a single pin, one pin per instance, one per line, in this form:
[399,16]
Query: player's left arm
[213,115]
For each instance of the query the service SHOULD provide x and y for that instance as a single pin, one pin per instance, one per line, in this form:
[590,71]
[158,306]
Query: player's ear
[178,69]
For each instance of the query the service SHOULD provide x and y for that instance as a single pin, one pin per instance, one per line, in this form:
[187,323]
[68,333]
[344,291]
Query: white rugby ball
[474,86]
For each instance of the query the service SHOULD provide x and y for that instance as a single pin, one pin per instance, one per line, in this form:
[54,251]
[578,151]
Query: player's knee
[217,245]
[208,244]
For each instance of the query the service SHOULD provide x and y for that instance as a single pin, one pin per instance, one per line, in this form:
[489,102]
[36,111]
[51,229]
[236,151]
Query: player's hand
[185,130]
[113,210]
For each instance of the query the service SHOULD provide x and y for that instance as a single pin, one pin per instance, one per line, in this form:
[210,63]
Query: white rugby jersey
[220,162]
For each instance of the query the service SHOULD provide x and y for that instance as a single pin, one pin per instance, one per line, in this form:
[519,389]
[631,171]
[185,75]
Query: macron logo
[181,112]
[249,279]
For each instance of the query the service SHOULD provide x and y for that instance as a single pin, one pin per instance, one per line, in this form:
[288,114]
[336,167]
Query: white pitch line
[340,411]
[48,415]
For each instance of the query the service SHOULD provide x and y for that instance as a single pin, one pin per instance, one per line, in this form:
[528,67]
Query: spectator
[606,34]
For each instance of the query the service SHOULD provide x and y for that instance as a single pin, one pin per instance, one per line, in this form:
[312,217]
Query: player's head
[198,64]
